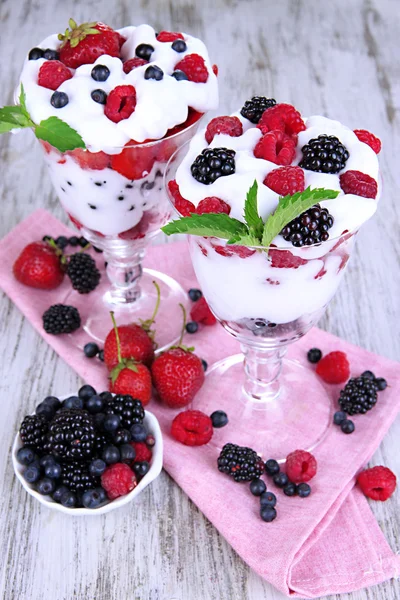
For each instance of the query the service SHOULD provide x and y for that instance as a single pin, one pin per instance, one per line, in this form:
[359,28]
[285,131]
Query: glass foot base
[95,312]
[298,417]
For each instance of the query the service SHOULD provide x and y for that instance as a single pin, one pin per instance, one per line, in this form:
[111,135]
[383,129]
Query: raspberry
[118,480]
[212,205]
[215,70]
[334,367]
[201,313]
[52,74]
[133,63]
[143,452]
[359,184]
[369,138]
[91,160]
[183,206]
[227,125]
[301,466]
[284,259]
[194,67]
[377,483]
[169,36]
[134,162]
[192,428]
[286,180]
[277,147]
[282,117]
[230,250]
[121,103]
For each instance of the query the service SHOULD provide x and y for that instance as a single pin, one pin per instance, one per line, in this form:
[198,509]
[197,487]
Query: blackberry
[311,227]
[324,154]
[33,432]
[213,163]
[358,396]
[253,109]
[61,318]
[77,478]
[71,435]
[242,463]
[83,273]
[131,411]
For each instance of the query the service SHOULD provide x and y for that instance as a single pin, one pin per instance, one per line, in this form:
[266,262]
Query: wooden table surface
[338,59]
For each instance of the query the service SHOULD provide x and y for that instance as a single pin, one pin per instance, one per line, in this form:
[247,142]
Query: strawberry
[129,376]
[134,162]
[39,266]
[91,160]
[178,374]
[83,44]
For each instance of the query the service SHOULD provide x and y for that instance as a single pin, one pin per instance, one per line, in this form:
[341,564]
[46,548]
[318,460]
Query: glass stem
[262,370]
[124,274]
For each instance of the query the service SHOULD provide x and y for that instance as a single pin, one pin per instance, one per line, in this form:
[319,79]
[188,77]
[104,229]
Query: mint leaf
[207,225]
[13,117]
[247,239]
[251,216]
[291,207]
[22,100]
[59,134]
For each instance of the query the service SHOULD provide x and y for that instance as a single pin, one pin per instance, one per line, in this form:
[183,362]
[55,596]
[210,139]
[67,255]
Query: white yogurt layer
[161,105]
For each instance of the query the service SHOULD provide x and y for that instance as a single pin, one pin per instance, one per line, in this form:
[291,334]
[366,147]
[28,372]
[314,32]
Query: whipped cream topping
[161,105]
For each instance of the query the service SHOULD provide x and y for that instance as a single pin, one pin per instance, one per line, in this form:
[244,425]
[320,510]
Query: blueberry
[339,417]
[73,241]
[93,498]
[100,73]
[144,51]
[381,383]
[138,433]
[192,327]
[83,242]
[32,472]
[106,396]
[257,487]
[347,426]
[91,349]
[268,499]
[73,402]
[99,96]
[45,486]
[205,364]
[141,468]
[86,392]
[35,53]
[122,436]
[68,499]
[111,422]
[62,242]
[26,456]
[290,489]
[150,441]
[303,490]
[94,404]
[111,454]
[97,467]
[180,75]
[59,492]
[46,460]
[98,420]
[195,294]
[368,375]
[272,467]
[280,480]
[59,99]
[219,418]
[45,410]
[100,355]
[127,453]
[50,54]
[179,46]
[53,471]
[154,72]
[268,513]
[314,355]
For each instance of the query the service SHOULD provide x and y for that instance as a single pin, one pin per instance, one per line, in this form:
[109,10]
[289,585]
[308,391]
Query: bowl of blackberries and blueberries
[88,453]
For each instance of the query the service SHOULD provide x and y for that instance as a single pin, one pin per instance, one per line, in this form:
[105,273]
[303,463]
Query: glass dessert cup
[267,298]
[118,203]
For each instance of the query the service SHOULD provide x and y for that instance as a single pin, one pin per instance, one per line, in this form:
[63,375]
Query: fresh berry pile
[87,449]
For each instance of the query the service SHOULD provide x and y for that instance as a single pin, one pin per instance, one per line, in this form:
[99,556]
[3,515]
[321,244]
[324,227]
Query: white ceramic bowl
[152,426]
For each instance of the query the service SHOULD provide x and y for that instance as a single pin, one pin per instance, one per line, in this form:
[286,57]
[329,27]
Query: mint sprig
[254,232]
[53,130]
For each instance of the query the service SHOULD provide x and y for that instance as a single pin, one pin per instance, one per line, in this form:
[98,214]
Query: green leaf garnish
[12,117]
[251,216]
[290,207]
[207,225]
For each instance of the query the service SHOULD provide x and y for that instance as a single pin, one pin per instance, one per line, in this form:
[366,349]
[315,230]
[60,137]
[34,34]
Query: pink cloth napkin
[329,543]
